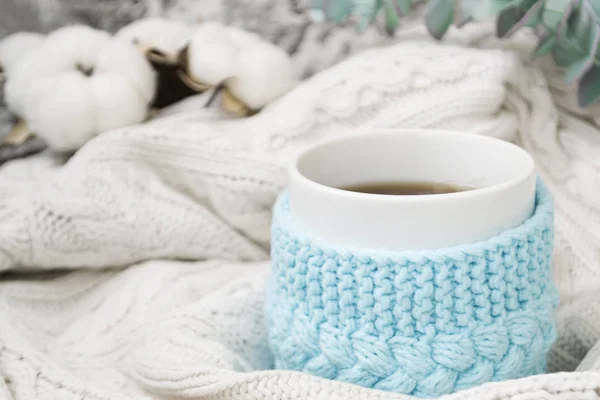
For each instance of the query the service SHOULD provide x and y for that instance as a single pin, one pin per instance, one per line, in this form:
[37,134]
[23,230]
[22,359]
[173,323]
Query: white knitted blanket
[167,228]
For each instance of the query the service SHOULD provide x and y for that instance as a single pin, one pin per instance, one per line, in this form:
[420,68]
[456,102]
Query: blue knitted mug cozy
[424,323]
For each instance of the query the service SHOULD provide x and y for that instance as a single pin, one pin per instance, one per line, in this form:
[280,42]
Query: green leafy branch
[568,30]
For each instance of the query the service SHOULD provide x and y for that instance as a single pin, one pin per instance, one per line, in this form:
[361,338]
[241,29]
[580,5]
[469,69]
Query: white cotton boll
[36,64]
[264,72]
[167,36]
[39,62]
[120,58]
[14,97]
[211,55]
[117,103]
[178,36]
[65,118]
[145,29]
[15,46]
[68,94]
[242,39]
[213,64]
[211,27]
[37,90]
[77,44]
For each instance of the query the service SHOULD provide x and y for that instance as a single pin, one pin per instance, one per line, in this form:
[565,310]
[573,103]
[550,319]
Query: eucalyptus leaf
[563,55]
[556,13]
[582,28]
[507,19]
[569,30]
[533,14]
[594,6]
[513,19]
[316,4]
[336,11]
[577,47]
[527,4]
[580,67]
[402,7]
[366,10]
[439,17]
[462,13]
[392,18]
[589,87]
[584,33]
[545,45]
[486,8]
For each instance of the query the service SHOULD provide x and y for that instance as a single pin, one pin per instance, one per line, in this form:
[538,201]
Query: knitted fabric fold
[424,323]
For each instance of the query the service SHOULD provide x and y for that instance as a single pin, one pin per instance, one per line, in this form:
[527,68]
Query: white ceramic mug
[502,173]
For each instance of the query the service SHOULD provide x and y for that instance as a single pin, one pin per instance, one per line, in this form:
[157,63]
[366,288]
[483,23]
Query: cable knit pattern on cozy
[197,185]
[424,323]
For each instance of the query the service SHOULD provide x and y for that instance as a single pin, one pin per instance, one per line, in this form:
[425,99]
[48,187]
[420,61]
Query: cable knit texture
[195,184]
[425,323]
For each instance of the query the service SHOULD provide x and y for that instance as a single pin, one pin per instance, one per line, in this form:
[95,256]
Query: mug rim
[295,174]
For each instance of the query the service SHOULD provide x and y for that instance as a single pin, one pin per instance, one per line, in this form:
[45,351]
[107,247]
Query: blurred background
[312,46]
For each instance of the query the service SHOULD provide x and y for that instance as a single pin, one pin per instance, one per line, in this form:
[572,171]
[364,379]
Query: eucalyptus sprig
[568,30]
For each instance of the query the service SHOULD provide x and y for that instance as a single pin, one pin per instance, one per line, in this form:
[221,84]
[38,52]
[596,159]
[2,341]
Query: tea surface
[406,188]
